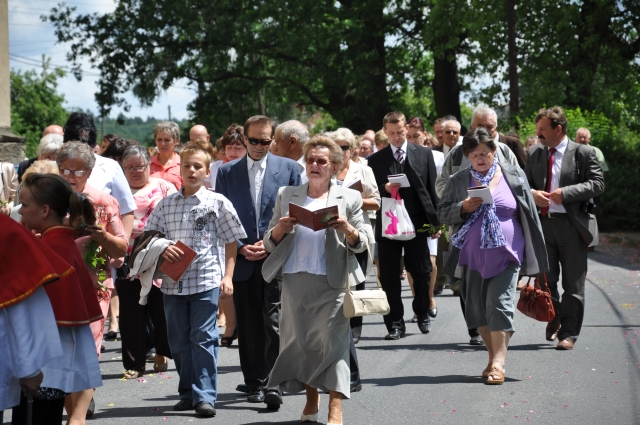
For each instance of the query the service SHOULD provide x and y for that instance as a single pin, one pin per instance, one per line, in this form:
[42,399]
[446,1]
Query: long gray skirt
[314,337]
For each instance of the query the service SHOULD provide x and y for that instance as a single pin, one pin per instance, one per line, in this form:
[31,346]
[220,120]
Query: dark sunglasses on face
[256,142]
[345,148]
[320,161]
[451,132]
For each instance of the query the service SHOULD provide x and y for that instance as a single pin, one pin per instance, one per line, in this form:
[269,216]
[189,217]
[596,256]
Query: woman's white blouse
[307,249]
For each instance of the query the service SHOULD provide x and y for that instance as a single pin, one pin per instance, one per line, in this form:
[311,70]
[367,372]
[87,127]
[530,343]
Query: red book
[314,220]
[355,185]
[176,269]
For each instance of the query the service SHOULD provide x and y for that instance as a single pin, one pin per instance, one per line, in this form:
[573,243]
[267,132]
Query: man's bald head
[370,135]
[53,129]
[199,132]
[583,136]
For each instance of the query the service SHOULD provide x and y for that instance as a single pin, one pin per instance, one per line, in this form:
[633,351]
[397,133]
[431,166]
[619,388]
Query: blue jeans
[192,328]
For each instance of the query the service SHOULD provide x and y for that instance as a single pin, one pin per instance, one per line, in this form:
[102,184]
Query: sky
[30,38]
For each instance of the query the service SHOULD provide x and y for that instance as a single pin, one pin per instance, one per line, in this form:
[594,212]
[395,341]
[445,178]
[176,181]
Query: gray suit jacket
[349,204]
[581,179]
[450,211]
[456,161]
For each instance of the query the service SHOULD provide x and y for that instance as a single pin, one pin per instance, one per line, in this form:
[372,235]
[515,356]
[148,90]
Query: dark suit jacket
[22,167]
[421,172]
[581,178]
[516,147]
[233,183]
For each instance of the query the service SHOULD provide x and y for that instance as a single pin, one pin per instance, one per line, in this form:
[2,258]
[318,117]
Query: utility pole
[12,147]
[169,112]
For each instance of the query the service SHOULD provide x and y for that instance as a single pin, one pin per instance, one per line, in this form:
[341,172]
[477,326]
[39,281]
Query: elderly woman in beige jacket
[314,334]
[353,172]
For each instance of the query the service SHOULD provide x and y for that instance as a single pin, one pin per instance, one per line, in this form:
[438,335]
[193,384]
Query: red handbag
[536,303]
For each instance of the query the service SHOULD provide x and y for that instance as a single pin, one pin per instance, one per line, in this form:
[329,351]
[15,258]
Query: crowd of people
[89,227]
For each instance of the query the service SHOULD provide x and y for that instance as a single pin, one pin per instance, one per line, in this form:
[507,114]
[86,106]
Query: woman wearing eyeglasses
[314,334]
[75,162]
[147,192]
[350,173]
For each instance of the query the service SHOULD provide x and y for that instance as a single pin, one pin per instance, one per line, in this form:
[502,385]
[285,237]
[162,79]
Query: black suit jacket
[421,172]
[22,167]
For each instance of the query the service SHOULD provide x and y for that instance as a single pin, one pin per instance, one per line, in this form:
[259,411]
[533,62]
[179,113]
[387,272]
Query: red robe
[26,263]
[73,298]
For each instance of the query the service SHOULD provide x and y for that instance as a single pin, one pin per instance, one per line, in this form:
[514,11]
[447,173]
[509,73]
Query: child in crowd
[204,221]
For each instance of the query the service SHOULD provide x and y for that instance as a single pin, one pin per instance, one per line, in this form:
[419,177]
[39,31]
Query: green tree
[35,104]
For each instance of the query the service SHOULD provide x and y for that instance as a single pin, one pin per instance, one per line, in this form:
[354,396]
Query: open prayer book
[176,269]
[481,192]
[314,220]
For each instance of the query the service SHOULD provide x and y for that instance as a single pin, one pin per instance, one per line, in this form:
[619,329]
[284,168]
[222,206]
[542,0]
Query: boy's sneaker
[205,409]
[183,404]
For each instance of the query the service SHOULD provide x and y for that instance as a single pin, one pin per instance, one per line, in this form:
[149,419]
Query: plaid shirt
[204,221]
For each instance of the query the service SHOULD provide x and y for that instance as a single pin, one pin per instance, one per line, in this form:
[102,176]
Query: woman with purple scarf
[492,243]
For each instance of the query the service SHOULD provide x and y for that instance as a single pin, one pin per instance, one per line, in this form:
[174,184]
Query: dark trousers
[133,324]
[472,331]
[363,260]
[417,261]
[257,305]
[353,361]
[45,412]
[567,253]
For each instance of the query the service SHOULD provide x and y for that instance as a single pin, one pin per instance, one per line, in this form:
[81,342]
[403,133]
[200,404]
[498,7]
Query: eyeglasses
[451,132]
[319,161]
[345,148]
[77,173]
[256,142]
[136,169]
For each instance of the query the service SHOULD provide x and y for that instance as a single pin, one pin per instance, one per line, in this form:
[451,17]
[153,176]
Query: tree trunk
[446,88]
[514,96]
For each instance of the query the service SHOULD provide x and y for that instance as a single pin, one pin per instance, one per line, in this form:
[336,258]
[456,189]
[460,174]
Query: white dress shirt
[303,170]
[256,178]
[307,251]
[404,150]
[107,177]
[558,157]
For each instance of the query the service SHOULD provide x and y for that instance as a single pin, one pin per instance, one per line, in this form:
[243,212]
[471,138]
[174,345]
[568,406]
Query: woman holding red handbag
[495,239]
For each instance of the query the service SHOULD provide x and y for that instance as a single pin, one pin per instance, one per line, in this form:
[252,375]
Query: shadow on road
[452,347]
[428,380]
[610,260]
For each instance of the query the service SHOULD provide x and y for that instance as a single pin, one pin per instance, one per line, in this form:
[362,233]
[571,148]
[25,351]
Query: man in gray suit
[564,176]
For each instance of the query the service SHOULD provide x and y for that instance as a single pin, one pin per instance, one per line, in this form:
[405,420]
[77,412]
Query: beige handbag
[366,302]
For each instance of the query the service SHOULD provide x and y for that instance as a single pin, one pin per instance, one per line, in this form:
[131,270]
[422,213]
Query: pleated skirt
[78,368]
[314,337]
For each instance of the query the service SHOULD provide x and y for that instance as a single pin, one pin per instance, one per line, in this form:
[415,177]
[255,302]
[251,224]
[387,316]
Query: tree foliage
[35,104]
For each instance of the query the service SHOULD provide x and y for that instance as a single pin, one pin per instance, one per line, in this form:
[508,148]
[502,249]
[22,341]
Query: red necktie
[545,210]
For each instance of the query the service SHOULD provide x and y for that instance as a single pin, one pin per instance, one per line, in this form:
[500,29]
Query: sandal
[495,372]
[160,367]
[227,341]
[486,371]
[132,374]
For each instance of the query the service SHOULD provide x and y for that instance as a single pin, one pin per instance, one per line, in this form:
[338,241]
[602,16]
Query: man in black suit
[564,176]
[421,202]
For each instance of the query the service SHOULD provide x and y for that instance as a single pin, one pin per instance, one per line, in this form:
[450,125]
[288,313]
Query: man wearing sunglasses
[251,184]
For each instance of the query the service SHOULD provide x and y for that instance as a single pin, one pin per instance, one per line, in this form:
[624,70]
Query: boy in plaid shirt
[204,221]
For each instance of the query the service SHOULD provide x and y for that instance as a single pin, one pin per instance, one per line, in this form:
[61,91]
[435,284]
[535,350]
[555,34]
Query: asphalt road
[435,378]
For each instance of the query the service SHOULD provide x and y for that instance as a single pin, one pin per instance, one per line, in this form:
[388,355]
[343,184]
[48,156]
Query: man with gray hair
[290,138]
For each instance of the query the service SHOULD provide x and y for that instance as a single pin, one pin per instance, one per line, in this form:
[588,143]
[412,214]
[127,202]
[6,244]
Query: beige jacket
[349,204]
[8,183]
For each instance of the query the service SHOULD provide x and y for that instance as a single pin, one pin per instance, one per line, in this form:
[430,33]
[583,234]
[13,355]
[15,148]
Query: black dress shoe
[273,399]
[476,340]
[243,388]
[395,334]
[183,404]
[437,290]
[256,396]
[433,312]
[424,324]
[356,332]
[356,386]
[205,410]
[110,336]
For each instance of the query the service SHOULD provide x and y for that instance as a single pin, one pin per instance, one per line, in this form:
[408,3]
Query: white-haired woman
[49,146]
[352,172]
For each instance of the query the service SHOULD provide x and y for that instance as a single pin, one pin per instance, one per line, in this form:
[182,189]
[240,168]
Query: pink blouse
[146,200]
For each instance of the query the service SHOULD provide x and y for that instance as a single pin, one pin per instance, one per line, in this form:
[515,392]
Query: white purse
[366,302]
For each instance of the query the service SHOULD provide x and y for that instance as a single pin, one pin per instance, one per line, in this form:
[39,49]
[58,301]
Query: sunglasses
[451,132]
[345,148]
[77,173]
[320,161]
[256,142]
